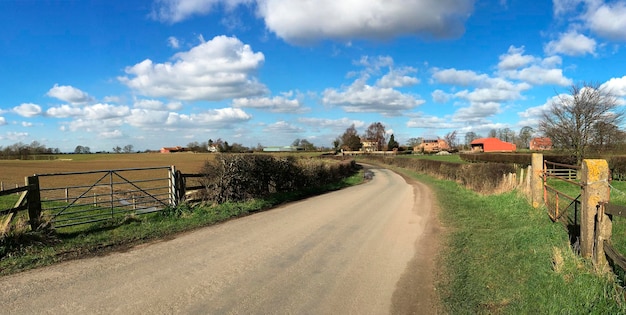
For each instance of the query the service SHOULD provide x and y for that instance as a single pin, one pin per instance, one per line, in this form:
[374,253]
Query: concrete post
[536,180]
[594,178]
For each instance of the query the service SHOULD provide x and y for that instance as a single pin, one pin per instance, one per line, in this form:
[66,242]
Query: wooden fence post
[181,185]
[536,181]
[594,178]
[604,230]
[34,202]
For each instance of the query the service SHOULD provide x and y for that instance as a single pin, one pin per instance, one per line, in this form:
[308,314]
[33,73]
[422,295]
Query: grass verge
[20,251]
[504,257]
[453,158]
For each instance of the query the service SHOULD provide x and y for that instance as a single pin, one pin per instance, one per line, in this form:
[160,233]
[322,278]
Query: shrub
[240,177]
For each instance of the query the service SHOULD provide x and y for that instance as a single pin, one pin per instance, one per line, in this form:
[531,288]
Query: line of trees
[375,134]
[126,149]
[21,150]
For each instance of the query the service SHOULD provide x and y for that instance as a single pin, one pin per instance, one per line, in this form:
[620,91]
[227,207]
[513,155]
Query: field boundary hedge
[617,163]
[241,177]
[480,177]
[522,159]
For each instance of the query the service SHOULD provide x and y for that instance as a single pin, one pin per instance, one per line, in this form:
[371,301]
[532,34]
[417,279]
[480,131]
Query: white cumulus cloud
[604,18]
[360,97]
[440,96]
[459,77]
[381,97]
[608,20]
[399,77]
[531,70]
[218,69]
[616,86]
[173,11]
[276,104]
[282,127]
[105,111]
[572,44]
[64,111]
[335,125]
[305,21]
[111,134]
[27,110]
[514,59]
[211,119]
[70,94]
[173,42]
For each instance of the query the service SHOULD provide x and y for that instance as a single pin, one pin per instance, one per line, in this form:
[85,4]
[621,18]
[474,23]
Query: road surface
[367,249]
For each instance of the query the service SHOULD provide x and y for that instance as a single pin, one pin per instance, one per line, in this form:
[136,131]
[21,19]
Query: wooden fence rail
[21,205]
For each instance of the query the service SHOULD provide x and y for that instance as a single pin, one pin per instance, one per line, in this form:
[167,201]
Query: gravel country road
[367,249]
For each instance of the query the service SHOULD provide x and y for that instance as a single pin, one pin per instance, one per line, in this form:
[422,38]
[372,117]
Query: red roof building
[173,149]
[492,145]
[540,144]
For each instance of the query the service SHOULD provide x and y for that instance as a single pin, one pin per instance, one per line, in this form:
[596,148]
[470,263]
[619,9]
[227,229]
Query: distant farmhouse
[174,149]
[540,144]
[492,145]
[368,145]
[287,148]
[432,146]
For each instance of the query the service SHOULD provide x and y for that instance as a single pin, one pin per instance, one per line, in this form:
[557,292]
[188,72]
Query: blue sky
[170,72]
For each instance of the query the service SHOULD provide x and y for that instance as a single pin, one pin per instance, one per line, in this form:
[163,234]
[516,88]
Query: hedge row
[523,159]
[480,177]
[617,163]
[240,177]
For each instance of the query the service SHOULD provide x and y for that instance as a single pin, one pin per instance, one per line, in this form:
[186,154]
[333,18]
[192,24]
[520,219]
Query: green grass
[504,257]
[618,196]
[22,250]
[7,202]
[454,158]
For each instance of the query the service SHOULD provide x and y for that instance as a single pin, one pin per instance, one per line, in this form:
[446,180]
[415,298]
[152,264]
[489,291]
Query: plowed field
[14,171]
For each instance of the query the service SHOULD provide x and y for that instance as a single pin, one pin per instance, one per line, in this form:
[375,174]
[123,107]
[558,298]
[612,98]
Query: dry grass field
[13,172]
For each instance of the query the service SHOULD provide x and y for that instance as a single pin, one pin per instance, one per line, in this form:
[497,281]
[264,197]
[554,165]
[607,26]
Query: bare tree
[570,120]
[412,142]
[307,145]
[450,138]
[506,134]
[469,137]
[350,139]
[607,137]
[525,135]
[376,132]
[128,148]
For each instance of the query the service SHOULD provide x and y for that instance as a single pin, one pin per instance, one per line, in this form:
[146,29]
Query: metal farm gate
[69,199]
[563,203]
